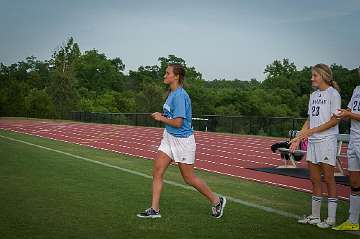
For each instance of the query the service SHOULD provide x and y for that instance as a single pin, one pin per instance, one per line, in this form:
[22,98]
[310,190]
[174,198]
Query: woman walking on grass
[178,144]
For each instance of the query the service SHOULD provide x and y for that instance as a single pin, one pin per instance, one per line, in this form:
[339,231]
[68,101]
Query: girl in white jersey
[353,113]
[321,128]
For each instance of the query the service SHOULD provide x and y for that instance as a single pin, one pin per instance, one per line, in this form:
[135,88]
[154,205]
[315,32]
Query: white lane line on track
[236,200]
[130,130]
[142,139]
[152,151]
[133,172]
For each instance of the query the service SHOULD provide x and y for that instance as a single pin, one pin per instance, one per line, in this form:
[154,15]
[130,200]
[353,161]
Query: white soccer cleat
[328,223]
[312,220]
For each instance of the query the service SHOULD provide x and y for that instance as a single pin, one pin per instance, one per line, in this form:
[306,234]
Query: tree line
[90,81]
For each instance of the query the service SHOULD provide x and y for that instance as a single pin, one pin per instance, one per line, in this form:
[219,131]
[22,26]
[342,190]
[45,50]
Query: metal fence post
[270,124]
[249,125]
[293,123]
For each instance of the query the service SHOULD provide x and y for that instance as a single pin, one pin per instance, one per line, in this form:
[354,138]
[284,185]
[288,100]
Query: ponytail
[178,70]
[335,85]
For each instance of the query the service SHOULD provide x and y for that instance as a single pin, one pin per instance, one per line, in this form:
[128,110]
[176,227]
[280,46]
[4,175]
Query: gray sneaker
[218,210]
[312,220]
[149,213]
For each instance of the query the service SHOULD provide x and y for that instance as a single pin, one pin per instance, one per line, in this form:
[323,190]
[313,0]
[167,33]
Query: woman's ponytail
[335,85]
[179,70]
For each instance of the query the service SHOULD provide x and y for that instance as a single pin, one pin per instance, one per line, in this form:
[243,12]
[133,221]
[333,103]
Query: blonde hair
[326,74]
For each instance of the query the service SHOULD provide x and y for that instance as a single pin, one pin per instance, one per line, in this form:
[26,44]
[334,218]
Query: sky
[231,39]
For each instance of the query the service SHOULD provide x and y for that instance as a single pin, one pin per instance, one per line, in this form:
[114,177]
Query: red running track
[225,154]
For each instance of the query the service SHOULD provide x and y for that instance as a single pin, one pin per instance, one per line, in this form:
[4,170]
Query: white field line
[85,136]
[141,137]
[144,157]
[95,139]
[133,172]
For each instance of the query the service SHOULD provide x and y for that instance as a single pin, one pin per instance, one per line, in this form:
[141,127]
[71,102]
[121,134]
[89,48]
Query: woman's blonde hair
[326,74]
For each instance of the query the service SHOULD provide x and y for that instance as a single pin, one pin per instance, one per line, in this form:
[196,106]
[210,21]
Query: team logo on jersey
[319,94]
[319,101]
[356,95]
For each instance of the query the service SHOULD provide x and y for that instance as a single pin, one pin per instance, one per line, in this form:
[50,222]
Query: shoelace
[329,222]
[149,211]
[309,218]
[214,210]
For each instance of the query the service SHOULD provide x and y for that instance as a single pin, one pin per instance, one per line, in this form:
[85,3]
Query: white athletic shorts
[354,156]
[180,150]
[322,151]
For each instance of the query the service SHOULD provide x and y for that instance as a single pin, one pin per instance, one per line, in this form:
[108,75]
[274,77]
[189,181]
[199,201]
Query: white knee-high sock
[354,210]
[315,206]
[332,205]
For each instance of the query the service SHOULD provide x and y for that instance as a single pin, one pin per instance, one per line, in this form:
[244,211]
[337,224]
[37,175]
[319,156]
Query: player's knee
[328,178]
[355,185]
[355,190]
[189,180]
[157,172]
[316,182]
[354,182]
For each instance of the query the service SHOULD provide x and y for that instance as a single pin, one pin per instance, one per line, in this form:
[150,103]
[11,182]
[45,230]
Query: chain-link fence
[253,125]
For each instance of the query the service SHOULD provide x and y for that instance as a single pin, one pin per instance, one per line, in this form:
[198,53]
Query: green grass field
[47,194]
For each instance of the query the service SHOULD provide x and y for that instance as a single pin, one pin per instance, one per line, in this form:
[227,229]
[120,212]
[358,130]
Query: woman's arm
[308,132]
[294,143]
[306,126]
[354,116]
[331,123]
[177,122]
[348,114]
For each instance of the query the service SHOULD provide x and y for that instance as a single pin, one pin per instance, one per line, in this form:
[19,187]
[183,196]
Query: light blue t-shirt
[178,104]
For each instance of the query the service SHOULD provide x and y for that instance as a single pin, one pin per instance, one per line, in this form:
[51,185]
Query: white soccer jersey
[354,106]
[322,106]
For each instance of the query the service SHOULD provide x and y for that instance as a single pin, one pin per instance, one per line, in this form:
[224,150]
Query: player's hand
[342,114]
[157,116]
[294,144]
[303,135]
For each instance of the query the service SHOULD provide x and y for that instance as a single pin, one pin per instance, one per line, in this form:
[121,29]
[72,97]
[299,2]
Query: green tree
[63,93]
[39,104]
[97,73]
[64,58]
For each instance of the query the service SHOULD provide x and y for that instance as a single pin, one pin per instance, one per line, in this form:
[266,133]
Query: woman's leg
[354,211]
[161,163]
[187,172]
[329,179]
[315,177]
